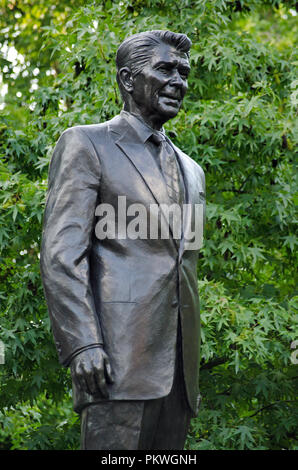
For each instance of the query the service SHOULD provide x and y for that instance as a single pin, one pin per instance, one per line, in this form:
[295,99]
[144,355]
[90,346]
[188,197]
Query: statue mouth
[169,97]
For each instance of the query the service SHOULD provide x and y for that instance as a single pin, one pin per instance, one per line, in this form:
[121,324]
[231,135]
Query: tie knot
[157,138]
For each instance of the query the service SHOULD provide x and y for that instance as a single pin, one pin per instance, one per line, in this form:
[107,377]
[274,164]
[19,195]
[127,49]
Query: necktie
[169,168]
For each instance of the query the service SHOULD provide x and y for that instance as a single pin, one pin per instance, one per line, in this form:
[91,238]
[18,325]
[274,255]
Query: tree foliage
[238,121]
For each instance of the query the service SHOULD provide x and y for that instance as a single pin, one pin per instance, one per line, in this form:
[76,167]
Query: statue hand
[91,370]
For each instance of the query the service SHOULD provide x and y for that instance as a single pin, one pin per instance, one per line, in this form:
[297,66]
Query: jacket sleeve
[74,179]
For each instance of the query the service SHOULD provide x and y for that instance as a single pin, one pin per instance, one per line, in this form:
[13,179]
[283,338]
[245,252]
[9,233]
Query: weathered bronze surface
[114,303]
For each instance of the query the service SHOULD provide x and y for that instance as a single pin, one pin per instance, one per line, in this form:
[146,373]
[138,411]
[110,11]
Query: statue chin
[169,111]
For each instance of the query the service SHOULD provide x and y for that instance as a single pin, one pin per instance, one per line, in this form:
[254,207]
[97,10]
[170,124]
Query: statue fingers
[91,382]
[101,383]
[79,377]
[108,371]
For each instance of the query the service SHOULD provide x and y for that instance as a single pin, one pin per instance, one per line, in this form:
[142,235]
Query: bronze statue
[125,310]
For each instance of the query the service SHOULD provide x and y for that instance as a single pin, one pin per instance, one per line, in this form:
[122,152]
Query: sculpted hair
[135,51]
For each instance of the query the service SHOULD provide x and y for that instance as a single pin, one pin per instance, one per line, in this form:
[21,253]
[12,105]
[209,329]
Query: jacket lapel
[193,192]
[141,158]
[128,142]
[192,184]
[145,164]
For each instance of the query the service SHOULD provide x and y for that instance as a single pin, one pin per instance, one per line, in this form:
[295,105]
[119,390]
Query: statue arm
[74,179]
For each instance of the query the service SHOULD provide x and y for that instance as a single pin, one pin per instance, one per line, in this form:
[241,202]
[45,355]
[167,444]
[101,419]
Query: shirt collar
[143,130]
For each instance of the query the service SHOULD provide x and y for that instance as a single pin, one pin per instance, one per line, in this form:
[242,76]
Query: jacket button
[175,304]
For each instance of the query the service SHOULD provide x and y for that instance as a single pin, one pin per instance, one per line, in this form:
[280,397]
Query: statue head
[152,71]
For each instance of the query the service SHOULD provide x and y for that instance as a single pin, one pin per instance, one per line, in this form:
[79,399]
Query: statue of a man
[125,309]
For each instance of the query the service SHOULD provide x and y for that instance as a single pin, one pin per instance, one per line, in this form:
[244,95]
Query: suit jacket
[125,294]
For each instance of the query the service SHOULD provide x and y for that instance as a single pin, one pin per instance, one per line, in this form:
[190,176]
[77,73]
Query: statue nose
[177,82]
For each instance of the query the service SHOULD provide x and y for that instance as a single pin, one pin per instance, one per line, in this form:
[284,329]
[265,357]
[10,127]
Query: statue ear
[126,80]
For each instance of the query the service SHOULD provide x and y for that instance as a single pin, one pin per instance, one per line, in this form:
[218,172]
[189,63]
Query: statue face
[159,89]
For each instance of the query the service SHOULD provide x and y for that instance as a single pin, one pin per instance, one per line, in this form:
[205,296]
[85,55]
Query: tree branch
[272,404]
[214,363]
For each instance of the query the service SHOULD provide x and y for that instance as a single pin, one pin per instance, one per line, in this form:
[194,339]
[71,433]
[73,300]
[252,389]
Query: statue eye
[184,74]
[164,70]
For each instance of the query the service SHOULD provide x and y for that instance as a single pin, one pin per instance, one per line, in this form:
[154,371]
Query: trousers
[158,424]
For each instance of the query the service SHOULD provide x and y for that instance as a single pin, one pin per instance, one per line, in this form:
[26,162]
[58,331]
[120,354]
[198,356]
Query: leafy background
[238,121]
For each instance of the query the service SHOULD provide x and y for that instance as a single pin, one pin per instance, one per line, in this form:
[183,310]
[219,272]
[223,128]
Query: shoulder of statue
[89,131]
[190,161]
